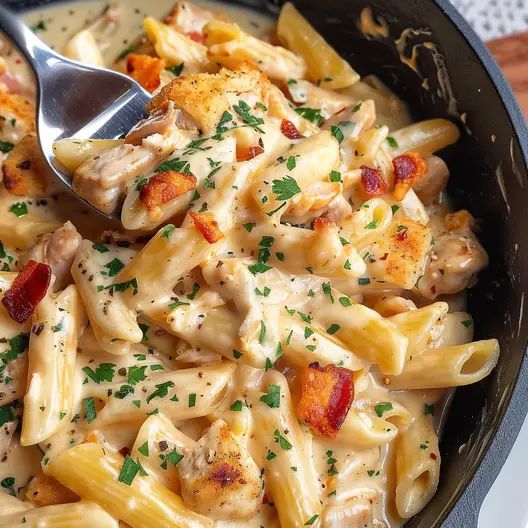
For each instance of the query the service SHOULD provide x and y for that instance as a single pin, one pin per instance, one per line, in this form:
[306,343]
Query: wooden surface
[512,55]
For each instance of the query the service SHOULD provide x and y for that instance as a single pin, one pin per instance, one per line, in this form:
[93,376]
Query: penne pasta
[94,472]
[57,325]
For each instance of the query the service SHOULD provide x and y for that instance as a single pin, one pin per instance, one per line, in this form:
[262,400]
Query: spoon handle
[30,46]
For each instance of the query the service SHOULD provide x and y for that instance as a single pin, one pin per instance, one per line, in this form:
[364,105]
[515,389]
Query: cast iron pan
[485,418]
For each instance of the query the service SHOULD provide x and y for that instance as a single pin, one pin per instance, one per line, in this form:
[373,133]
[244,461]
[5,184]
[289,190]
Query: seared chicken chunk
[102,179]
[455,257]
[58,250]
[219,478]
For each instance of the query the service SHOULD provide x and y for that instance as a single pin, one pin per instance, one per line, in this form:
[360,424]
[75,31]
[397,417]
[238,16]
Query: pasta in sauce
[271,336]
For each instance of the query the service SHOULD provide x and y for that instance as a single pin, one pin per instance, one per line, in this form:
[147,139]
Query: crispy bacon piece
[207,225]
[290,130]
[372,182]
[408,169]
[27,290]
[164,187]
[145,70]
[326,396]
[322,223]
[252,152]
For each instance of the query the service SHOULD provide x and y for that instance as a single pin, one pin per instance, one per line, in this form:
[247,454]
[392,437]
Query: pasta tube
[448,367]
[57,323]
[324,64]
[97,474]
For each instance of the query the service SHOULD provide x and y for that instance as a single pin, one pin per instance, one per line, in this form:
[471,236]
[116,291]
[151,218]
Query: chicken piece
[206,96]
[190,19]
[17,117]
[310,96]
[102,179]
[13,380]
[391,305]
[58,250]
[455,257]
[219,478]
[7,431]
[159,122]
[433,182]
[398,257]
[45,491]
[25,171]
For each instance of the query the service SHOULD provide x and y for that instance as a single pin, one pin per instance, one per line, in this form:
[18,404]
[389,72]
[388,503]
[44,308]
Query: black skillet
[485,418]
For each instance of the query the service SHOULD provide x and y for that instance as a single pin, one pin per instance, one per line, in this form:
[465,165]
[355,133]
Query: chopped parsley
[124,391]
[192,399]
[255,269]
[144,449]
[429,409]
[372,225]
[337,133]
[392,142]
[467,323]
[333,328]
[264,293]
[345,301]
[104,372]
[176,70]
[249,226]
[271,455]
[311,520]
[286,188]
[236,405]
[113,267]
[129,470]
[6,146]
[136,374]
[262,333]
[124,286]
[327,289]
[382,407]
[167,230]
[281,440]
[272,397]
[175,165]
[19,209]
[335,176]
[313,115]
[9,484]
[363,281]
[100,247]
[162,389]
[89,409]
[244,111]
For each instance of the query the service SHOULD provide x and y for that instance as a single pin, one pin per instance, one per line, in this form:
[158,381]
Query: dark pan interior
[480,167]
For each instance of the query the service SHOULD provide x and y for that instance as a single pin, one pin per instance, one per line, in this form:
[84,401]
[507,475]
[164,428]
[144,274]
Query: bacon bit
[326,396]
[322,223]
[384,257]
[164,187]
[290,130]
[207,225]
[433,289]
[372,182]
[196,36]
[408,169]
[252,152]
[28,289]
[459,221]
[145,70]
[124,451]
[433,456]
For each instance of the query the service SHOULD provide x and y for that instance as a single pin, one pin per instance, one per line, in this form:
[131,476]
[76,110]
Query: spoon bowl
[75,100]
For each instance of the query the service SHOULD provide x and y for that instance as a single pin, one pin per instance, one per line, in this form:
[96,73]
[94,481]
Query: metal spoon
[74,100]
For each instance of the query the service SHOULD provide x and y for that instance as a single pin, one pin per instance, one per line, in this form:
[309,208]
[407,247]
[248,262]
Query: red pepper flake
[408,169]
[265,499]
[384,257]
[252,152]
[322,223]
[124,451]
[372,182]
[326,396]
[196,36]
[27,290]
[401,236]
[433,456]
[290,130]
[433,289]
[207,225]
